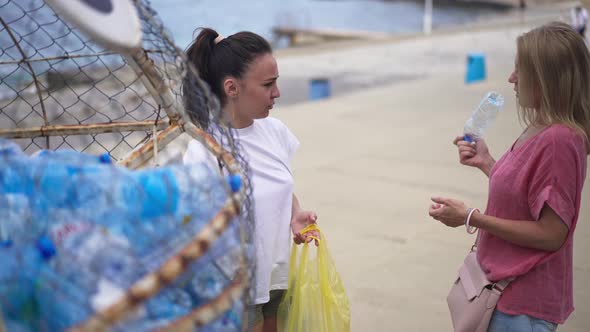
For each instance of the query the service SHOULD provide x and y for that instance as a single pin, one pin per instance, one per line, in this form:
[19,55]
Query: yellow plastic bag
[315,300]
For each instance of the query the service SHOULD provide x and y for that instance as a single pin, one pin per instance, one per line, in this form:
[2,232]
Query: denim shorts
[502,322]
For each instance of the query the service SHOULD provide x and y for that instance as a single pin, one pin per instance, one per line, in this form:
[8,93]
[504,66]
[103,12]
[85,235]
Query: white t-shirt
[268,146]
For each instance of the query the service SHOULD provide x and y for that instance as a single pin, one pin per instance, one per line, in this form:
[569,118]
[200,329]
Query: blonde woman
[527,230]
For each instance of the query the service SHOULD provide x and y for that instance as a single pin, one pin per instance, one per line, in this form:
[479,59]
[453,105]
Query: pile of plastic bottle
[76,231]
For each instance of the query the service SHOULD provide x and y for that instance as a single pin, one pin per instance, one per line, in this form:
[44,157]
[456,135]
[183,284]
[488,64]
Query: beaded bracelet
[470,229]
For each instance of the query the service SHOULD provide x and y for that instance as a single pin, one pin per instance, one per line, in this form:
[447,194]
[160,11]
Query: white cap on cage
[112,23]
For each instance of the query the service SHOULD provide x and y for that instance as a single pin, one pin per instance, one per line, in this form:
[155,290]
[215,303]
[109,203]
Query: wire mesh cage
[60,91]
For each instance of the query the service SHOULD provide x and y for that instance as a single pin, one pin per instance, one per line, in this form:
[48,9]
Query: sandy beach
[373,155]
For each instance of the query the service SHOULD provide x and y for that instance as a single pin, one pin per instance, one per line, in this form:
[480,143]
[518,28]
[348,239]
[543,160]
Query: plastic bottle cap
[496,98]
[235,182]
[468,138]
[46,247]
[105,158]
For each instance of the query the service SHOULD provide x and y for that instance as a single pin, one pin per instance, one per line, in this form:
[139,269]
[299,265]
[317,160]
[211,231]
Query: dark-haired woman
[242,72]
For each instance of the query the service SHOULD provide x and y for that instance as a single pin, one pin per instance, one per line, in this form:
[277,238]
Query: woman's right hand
[475,155]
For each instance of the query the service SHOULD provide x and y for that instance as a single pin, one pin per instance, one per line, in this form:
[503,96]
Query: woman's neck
[231,116]
[528,133]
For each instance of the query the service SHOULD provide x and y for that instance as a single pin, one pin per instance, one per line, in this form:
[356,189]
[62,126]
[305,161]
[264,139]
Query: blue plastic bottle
[73,157]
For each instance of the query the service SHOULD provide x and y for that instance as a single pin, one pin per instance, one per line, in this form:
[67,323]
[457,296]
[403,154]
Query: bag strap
[474,246]
[502,284]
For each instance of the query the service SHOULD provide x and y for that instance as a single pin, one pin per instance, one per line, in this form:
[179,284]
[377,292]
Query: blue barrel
[319,88]
[476,68]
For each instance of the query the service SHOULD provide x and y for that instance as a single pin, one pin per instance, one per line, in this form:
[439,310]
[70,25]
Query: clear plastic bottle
[18,274]
[177,202]
[108,227]
[15,218]
[9,148]
[90,271]
[170,304]
[208,282]
[482,116]
[14,173]
[230,321]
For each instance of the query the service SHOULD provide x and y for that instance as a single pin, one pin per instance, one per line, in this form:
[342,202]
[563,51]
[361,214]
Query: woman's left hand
[299,221]
[450,212]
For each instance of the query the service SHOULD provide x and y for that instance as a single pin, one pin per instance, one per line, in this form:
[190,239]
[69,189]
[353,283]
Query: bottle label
[61,232]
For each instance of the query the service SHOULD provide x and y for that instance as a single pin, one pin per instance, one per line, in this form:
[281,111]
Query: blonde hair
[554,59]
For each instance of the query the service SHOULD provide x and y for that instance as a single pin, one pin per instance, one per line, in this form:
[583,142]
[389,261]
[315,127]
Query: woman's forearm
[295,207]
[542,235]
[487,167]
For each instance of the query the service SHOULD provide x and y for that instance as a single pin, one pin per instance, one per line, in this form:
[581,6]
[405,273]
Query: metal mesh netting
[53,75]
[60,90]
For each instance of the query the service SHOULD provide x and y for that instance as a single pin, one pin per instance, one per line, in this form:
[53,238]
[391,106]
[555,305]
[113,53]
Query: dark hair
[230,56]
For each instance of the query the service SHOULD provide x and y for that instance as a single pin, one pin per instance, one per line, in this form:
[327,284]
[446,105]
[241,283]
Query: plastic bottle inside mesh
[15,217]
[110,226]
[482,116]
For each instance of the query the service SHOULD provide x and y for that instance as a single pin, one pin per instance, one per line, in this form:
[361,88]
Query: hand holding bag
[315,300]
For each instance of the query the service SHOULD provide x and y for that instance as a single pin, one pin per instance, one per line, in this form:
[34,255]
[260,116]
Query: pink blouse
[549,169]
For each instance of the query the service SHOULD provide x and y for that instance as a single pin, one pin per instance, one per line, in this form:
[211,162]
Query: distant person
[243,74]
[535,189]
[579,20]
